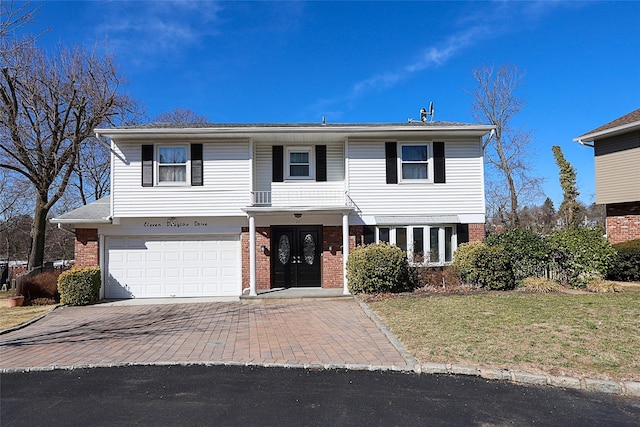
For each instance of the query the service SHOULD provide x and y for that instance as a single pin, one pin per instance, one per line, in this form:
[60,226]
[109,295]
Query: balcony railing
[301,198]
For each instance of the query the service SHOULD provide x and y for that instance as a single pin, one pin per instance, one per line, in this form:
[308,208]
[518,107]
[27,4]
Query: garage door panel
[162,267]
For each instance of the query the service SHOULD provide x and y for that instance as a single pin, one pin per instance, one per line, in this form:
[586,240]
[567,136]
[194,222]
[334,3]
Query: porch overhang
[279,210]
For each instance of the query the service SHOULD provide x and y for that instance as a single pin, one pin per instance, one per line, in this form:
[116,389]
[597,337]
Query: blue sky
[290,62]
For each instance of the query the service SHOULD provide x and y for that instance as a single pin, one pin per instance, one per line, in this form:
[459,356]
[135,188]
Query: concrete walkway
[328,333]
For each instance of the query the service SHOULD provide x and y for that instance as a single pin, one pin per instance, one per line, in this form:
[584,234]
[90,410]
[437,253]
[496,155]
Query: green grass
[596,335]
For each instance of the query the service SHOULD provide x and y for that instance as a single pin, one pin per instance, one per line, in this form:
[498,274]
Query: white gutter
[585,143]
[250,130]
[607,132]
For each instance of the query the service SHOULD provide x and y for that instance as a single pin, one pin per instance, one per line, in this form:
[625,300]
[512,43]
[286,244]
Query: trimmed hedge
[485,266]
[79,286]
[627,264]
[379,268]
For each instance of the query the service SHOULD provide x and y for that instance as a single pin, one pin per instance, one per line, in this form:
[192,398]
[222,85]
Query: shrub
[485,266]
[540,285]
[494,269]
[40,285]
[527,251]
[79,286]
[584,254]
[626,267]
[602,286]
[42,301]
[464,261]
[379,268]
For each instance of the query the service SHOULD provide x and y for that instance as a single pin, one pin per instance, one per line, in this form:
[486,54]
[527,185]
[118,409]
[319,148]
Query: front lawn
[590,335]
[14,316]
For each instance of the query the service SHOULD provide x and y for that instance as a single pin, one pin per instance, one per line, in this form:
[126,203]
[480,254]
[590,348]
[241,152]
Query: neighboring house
[215,210]
[617,162]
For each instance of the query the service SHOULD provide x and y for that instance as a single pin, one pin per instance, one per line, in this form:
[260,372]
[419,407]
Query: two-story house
[617,164]
[218,210]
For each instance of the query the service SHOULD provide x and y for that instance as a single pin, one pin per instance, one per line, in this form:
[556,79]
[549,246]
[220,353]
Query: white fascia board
[251,131]
[608,132]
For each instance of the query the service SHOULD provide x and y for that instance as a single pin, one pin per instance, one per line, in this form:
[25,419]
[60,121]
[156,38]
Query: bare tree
[48,108]
[180,115]
[506,149]
[13,18]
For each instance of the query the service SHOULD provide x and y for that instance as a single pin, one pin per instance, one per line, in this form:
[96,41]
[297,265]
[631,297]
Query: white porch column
[345,250]
[252,255]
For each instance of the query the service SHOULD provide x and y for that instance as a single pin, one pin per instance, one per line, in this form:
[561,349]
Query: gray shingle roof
[97,212]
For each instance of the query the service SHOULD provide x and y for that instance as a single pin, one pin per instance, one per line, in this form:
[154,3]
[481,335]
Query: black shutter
[462,231]
[438,163]
[277,162]
[196,164]
[391,155]
[321,162]
[147,165]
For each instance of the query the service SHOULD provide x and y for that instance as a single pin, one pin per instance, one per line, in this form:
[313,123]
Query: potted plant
[15,299]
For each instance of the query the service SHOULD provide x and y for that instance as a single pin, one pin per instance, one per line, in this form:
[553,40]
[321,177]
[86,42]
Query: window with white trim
[300,163]
[415,162]
[172,164]
[437,250]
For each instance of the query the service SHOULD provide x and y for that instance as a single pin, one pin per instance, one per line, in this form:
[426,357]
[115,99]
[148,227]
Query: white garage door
[156,267]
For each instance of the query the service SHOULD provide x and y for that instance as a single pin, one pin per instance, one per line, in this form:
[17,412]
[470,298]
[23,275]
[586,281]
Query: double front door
[295,256]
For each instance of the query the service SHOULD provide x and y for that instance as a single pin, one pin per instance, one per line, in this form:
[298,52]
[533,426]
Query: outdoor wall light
[263,248]
[330,248]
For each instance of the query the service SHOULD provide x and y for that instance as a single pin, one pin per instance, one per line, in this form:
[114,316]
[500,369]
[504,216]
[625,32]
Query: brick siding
[87,247]
[476,232]
[332,273]
[623,228]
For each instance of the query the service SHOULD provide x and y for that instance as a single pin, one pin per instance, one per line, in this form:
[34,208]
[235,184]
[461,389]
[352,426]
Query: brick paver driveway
[284,333]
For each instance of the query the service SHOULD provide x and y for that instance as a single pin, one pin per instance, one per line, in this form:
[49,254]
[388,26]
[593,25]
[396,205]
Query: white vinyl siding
[463,192]
[263,169]
[226,188]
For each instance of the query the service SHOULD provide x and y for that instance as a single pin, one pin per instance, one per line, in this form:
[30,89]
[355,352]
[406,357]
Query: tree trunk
[38,229]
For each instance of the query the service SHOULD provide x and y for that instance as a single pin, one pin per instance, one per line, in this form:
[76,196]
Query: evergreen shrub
[485,266]
[626,267]
[79,286]
[584,254]
[379,268]
[528,251]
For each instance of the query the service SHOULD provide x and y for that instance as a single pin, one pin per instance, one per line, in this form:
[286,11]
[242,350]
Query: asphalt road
[235,395]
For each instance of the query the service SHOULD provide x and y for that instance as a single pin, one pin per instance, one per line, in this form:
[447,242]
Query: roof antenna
[424,114]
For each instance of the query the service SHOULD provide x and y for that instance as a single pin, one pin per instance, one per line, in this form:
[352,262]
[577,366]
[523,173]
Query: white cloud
[145,30]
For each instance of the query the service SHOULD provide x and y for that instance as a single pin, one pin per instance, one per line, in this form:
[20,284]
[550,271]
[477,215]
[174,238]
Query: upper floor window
[414,160]
[299,163]
[177,164]
[172,164]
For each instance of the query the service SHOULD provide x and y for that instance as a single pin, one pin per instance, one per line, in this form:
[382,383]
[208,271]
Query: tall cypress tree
[570,206]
